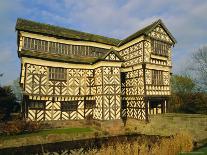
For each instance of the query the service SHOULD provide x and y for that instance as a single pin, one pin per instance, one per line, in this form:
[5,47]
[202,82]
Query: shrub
[32,126]
[18,127]
[11,128]
[89,119]
[188,103]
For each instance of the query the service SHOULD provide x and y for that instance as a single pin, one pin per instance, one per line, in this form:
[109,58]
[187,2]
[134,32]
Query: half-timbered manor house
[68,74]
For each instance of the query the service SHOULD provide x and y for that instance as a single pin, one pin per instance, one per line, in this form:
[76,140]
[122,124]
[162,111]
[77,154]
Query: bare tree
[1,74]
[199,66]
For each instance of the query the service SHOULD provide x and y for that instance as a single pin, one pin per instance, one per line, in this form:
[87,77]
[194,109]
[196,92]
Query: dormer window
[160,48]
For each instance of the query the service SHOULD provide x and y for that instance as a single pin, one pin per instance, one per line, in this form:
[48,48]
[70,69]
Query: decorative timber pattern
[83,75]
[112,92]
[112,56]
[133,91]
[160,34]
[108,94]
[36,79]
[78,87]
[133,54]
[157,89]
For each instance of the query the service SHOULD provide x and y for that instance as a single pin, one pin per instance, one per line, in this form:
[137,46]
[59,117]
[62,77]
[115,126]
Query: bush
[195,103]
[19,127]
[186,96]
[189,103]
[89,119]
[12,128]
[32,127]
[8,103]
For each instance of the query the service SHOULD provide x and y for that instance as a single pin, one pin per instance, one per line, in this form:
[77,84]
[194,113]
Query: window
[60,48]
[57,74]
[157,77]
[69,105]
[160,48]
[32,43]
[36,105]
[90,104]
[26,43]
[36,44]
[46,46]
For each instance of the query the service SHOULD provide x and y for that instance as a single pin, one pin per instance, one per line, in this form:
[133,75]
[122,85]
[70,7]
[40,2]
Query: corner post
[145,98]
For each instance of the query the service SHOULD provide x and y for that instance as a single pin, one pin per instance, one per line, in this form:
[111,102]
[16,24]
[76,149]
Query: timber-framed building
[68,74]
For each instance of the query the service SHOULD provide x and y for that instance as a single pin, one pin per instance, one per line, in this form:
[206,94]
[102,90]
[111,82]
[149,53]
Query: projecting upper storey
[61,44]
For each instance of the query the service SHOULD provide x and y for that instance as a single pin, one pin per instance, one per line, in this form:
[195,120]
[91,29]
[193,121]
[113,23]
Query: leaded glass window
[60,48]
[69,105]
[160,48]
[56,73]
[157,77]
[89,104]
[36,104]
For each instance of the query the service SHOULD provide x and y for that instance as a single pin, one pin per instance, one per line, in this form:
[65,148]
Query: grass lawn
[201,151]
[169,124]
[49,132]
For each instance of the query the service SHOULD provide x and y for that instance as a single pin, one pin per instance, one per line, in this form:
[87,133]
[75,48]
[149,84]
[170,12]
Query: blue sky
[186,19]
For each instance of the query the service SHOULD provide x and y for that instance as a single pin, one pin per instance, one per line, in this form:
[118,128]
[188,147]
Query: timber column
[145,96]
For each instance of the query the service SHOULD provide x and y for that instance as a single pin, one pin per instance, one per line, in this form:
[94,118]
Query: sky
[185,19]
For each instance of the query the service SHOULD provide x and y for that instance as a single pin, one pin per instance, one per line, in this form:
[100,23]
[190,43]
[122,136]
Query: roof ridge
[90,35]
[131,37]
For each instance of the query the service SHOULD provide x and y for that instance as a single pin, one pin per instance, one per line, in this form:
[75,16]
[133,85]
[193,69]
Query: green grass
[201,151]
[48,132]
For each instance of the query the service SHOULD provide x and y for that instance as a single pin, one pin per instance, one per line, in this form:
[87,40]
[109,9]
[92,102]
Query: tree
[1,74]
[185,97]
[199,67]
[17,89]
[8,102]
[182,84]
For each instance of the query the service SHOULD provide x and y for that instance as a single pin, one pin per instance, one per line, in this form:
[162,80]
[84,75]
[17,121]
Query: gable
[155,30]
[112,56]
[159,33]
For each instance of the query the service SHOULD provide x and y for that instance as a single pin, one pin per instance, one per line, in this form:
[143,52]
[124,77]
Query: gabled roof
[46,29]
[59,32]
[146,30]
